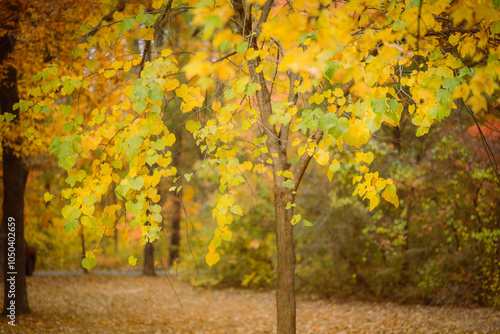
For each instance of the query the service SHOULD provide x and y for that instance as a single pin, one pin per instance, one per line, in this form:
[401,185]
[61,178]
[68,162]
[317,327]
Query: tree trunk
[175,237]
[12,229]
[84,251]
[149,260]
[285,290]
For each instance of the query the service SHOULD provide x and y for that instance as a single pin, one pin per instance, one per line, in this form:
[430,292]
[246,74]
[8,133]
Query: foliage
[266,88]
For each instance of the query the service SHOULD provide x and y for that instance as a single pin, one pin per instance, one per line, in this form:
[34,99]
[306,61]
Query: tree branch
[301,166]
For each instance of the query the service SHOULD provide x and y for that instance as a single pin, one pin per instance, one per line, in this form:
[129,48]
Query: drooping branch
[301,166]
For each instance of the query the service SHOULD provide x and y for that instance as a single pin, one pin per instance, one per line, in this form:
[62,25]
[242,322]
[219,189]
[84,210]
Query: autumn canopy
[265,87]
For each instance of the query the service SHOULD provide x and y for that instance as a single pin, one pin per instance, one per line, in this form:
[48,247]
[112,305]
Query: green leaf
[341,127]
[133,208]
[333,67]
[192,126]
[126,24]
[250,89]
[140,106]
[70,226]
[188,176]
[133,146]
[236,209]
[211,23]
[379,106]
[89,263]
[89,200]
[225,45]
[227,235]
[68,127]
[216,241]
[139,93]
[307,223]
[89,222]
[241,47]
[159,144]
[284,118]
[157,217]
[155,95]
[303,38]
[327,121]
[289,184]
[68,163]
[147,19]
[229,94]
[152,159]
[137,183]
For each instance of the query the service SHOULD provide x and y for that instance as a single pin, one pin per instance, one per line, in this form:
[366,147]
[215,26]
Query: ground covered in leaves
[136,304]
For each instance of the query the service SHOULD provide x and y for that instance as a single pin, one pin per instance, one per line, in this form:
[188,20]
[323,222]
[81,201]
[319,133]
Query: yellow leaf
[147,34]
[127,66]
[374,198]
[358,134]
[169,139]
[322,157]
[248,165]
[47,196]
[132,260]
[166,52]
[212,258]
[109,73]
[116,65]
[91,64]
[157,4]
[118,16]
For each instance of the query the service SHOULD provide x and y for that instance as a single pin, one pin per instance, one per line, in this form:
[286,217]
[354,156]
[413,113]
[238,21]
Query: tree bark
[149,260]
[285,270]
[175,237]
[84,251]
[12,229]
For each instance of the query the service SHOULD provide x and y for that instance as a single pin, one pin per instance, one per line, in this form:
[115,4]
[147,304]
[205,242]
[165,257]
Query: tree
[24,51]
[262,77]
[12,230]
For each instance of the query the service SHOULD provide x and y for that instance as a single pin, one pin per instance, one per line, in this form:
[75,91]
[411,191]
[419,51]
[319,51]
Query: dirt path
[134,304]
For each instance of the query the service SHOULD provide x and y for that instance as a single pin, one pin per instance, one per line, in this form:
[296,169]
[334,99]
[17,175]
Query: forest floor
[161,305]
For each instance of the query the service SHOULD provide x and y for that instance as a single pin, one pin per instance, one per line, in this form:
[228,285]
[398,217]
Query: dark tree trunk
[84,251]
[149,260]
[175,237]
[12,229]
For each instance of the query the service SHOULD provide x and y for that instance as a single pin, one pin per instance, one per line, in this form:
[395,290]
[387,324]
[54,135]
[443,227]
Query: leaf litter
[163,305]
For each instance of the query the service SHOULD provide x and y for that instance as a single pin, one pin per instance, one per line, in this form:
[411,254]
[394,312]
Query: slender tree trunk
[285,290]
[149,260]
[84,251]
[175,237]
[12,229]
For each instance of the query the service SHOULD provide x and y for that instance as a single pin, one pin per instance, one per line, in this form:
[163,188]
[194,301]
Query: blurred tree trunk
[149,260]
[175,236]
[12,228]
[84,251]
